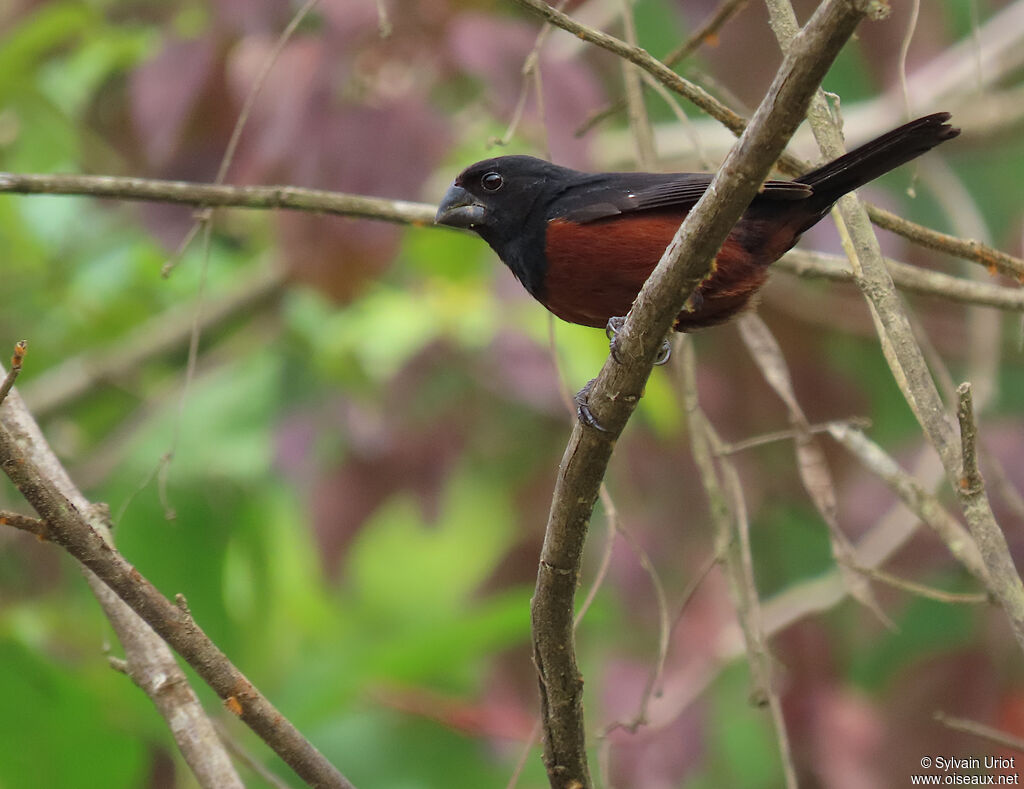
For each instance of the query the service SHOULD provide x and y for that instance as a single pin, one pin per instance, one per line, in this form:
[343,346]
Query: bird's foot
[583,412]
[612,331]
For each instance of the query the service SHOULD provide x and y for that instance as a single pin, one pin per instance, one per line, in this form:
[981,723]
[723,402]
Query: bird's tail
[875,158]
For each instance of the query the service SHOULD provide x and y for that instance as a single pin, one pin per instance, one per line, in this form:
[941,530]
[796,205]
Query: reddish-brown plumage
[596,269]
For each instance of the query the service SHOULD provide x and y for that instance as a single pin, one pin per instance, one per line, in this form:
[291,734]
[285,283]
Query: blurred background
[363,461]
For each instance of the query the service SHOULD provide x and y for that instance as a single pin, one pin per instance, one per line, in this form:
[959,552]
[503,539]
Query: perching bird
[583,244]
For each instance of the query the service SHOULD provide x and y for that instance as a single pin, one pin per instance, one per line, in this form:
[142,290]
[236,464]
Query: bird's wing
[623,193]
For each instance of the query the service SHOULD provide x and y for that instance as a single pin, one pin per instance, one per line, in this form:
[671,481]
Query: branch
[219,196]
[705,32]
[619,385]
[12,375]
[807,263]
[980,730]
[151,665]
[148,661]
[917,499]
[815,474]
[74,524]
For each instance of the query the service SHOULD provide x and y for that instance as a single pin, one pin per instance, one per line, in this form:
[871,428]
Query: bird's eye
[492,181]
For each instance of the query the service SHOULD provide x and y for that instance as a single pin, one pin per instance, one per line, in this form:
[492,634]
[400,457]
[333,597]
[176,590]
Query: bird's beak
[459,209]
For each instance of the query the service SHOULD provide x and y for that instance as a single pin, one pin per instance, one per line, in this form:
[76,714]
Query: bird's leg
[583,412]
[612,331]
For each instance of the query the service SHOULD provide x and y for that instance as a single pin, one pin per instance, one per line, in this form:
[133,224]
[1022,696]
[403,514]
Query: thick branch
[619,386]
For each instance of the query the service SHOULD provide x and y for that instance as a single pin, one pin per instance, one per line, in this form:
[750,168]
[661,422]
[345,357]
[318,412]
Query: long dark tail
[877,157]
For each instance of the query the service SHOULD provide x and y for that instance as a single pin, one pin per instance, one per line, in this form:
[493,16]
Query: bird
[583,244]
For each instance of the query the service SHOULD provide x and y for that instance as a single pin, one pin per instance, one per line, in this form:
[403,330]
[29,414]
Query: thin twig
[980,730]
[12,375]
[970,476]
[995,260]
[732,545]
[808,263]
[704,33]
[221,196]
[915,10]
[939,595]
[25,523]
[257,87]
[639,121]
[812,464]
[734,447]
[922,503]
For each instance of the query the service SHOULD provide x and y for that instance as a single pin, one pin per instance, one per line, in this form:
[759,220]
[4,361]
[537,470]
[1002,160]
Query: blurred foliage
[362,467]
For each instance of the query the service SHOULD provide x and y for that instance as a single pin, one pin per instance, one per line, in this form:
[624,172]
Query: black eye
[492,181]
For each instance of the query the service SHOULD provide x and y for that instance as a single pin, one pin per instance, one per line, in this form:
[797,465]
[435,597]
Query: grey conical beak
[459,209]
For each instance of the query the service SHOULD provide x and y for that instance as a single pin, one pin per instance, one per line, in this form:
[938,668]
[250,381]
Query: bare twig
[24,523]
[811,462]
[980,730]
[12,375]
[967,248]
[806,263]
[704,33]
[218,196]
[939,595]
[921,502]
[970,478]
[733,447]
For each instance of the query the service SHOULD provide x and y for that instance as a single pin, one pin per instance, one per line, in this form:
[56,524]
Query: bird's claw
[612,329]
[583,412]
[664,353]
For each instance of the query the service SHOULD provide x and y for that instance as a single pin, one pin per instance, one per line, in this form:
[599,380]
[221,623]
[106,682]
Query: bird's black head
[496,196]
[503,200]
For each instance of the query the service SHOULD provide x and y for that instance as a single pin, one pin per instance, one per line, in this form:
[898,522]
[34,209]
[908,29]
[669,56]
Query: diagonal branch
[619,385]
[148,660]
[75,525]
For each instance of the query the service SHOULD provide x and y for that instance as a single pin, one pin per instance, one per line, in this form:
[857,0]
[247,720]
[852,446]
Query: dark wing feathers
[603,196]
